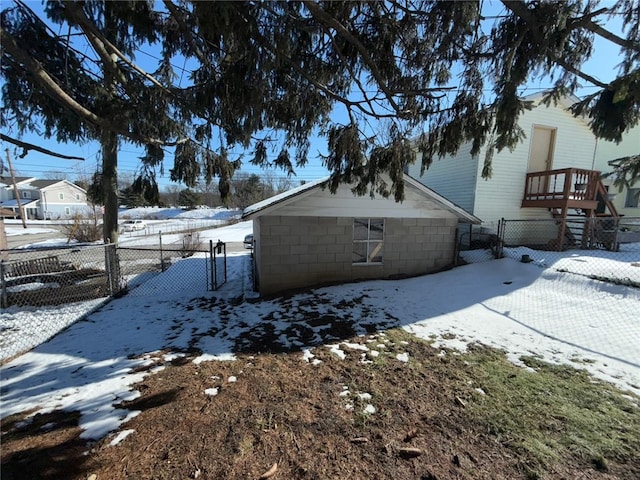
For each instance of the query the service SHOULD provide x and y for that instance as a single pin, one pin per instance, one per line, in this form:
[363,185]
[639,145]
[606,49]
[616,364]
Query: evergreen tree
[266,76]
[190,199]
[248,190]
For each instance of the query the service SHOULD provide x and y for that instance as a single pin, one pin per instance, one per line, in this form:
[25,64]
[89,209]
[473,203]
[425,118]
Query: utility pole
[15,188]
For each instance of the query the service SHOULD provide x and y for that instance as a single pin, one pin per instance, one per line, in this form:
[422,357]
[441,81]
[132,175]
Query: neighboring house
[43,199]
[551,174]
[8,200]
[627,202]
[309,236]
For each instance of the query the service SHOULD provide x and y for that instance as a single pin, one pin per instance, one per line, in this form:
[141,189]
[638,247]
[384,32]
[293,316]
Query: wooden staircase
[581,205]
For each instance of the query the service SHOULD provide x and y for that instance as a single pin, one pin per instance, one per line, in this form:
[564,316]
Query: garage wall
[294,252]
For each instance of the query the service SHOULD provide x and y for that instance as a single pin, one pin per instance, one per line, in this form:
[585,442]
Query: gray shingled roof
[44,183]
[9,181]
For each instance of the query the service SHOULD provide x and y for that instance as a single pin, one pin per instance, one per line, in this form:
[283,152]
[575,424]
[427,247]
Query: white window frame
[77,196]
[374,246]
[67,211]
[633,198]
[26,194]
[61,196]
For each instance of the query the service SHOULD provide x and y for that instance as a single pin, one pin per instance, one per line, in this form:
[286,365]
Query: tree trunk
[109,143]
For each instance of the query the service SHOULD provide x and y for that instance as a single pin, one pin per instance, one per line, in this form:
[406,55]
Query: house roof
[273,203]
[566,100]
[40,184]
[14,203]
[44,184]
[281,197]
[9,182]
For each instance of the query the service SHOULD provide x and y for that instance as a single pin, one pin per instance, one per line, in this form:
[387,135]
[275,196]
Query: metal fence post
[212,259]
[501,229]
[161,254]
[225,263]
[207,275]
[112,268]
[3,286]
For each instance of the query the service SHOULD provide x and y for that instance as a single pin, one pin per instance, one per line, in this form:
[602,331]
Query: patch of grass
[473,415]
[554,412]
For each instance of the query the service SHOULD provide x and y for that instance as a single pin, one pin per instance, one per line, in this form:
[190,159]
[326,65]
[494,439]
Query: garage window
[368,236]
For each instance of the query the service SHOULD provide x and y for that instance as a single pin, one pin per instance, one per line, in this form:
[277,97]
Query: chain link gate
[217,265]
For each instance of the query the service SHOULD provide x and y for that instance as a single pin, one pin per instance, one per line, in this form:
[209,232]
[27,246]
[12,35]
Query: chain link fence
[138,265]
[174,226]
[602,248]
[57,276]
[44,291]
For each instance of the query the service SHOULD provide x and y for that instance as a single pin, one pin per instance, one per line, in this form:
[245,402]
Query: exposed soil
[284,410]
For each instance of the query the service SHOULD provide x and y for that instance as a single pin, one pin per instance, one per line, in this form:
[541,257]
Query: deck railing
[563,184]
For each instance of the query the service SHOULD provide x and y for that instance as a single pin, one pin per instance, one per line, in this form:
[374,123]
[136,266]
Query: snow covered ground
[165,220]
[537,309]
[23,328]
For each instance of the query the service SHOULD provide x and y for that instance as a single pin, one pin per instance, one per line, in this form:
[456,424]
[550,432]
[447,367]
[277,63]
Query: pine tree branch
[519,8]
[42,77]
[96,40]
[324,17]
[351,73]
[581,74]
[587,22]
[99,42]
[186,32]
[36,69]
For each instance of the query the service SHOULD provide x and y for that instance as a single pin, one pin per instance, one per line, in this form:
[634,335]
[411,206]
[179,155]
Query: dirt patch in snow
[335,411]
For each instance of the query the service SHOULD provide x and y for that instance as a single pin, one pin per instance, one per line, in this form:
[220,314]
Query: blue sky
[602,65]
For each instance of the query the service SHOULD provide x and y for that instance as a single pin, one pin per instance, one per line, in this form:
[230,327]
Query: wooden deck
[580,192]
[564,189]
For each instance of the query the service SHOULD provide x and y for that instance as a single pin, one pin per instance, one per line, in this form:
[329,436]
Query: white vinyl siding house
[28,197]
[460,179]
[453,177]
[309,236]
[61,199]
[44,199]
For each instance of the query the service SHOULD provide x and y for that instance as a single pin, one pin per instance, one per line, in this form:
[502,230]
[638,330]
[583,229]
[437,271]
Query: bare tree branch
[604,33]
[31,146]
